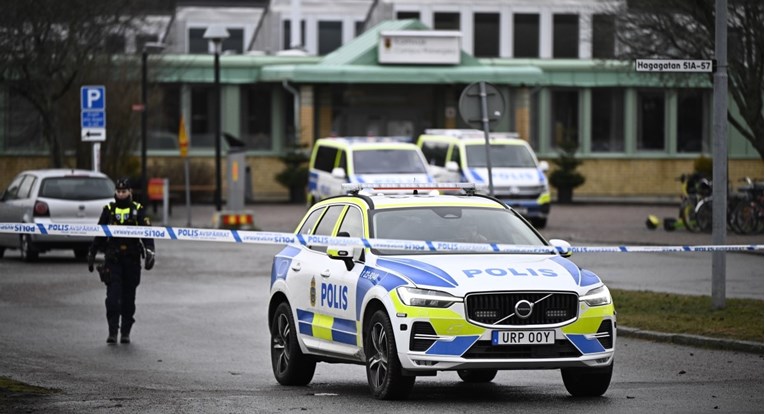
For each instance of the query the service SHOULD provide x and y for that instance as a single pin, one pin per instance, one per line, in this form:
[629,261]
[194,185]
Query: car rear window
[77,188]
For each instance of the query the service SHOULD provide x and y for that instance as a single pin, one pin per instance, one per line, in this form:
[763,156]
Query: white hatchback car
[415,312]
[53,196]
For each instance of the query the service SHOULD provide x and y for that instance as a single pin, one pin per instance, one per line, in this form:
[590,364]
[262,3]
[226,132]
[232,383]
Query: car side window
[13,189]
[352,223]
[325,158]
[26,186]
[435,152]
[327,225]
[310,222]
[455,154]
[342,163]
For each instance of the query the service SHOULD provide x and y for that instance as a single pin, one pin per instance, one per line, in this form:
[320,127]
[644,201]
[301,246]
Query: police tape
[264,237]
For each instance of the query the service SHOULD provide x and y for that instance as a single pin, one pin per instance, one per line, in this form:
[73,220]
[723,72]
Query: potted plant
[565,178]
[295,174]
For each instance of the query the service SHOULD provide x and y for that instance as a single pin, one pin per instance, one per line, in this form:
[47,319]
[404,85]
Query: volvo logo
[523,309]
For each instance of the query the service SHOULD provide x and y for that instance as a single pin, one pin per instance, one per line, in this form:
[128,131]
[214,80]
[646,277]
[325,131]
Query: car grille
[562,348]
[498,309]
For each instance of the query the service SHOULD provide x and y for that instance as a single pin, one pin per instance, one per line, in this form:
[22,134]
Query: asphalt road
[201,342]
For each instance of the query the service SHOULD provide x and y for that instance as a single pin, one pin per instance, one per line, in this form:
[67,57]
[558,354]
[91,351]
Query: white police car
[422,305]
[336,161]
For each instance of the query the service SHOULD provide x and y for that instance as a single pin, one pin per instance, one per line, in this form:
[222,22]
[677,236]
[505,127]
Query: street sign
[660,65]
[471,101]
[93,113]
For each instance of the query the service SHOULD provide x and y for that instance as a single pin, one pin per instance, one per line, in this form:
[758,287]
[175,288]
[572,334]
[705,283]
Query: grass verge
[741,319]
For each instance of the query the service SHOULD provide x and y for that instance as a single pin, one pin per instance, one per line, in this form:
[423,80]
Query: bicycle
[747,215]
[695,188]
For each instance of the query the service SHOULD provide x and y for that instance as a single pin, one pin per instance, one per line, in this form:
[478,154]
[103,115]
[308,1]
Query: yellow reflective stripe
[543,198]
[457,203]
[122,213]
[589,319]
[322,326]
[444,321]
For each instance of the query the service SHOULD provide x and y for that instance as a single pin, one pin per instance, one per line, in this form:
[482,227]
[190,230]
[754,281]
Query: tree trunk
[565,195]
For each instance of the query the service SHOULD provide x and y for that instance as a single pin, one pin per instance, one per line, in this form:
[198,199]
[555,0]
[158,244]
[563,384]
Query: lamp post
[147,48]
[215,35]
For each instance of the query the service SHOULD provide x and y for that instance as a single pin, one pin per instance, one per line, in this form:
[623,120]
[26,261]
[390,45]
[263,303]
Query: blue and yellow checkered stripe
[327,327]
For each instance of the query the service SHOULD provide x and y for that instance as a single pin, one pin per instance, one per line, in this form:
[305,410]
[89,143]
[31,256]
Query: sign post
[480,104]
[93,119]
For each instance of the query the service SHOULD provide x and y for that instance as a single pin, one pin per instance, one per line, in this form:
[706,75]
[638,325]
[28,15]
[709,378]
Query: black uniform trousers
[120,291]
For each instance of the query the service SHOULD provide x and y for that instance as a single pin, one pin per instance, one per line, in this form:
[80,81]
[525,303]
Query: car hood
[507,176]
[465,273]
[390,178]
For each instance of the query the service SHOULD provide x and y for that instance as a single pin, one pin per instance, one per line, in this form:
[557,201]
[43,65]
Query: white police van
[337,161]
[424,305]
[459,155]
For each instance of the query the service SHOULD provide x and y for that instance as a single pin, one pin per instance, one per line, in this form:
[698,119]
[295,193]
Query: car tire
[2,252]
[386,381]
[80,254]
[290,365]
[28,252]
[475,376]
[587,382]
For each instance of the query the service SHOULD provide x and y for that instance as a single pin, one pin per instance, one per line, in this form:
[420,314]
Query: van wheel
[290,365]
[383,367]
[28,252]
[475,376]
[587,382]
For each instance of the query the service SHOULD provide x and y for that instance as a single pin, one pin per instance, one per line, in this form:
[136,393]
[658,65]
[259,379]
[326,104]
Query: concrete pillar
[305,135]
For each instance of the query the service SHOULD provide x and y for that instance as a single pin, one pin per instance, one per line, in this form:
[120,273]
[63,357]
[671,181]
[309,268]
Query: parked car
[417,312]
[336,161]
[53,196]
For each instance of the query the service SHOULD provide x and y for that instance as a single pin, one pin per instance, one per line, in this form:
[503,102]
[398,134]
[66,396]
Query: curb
[693,340]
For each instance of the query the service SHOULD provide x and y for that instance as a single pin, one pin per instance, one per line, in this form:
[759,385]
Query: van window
[325,158]
[435,152]
[456,155]
[508,156]
[393,161]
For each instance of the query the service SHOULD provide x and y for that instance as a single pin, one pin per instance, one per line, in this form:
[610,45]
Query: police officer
[121,271]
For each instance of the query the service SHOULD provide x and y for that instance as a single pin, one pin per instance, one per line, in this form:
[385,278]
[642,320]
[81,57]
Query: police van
[414,297]
[518,178]
[358,160]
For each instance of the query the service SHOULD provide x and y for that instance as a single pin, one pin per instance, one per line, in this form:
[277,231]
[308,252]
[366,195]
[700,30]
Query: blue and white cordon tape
[264,237]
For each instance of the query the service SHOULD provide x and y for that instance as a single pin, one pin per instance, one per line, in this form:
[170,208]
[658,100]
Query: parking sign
[93,113]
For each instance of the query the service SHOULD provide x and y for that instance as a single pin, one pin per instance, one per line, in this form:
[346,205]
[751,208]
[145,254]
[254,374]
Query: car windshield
[452,224]
[502,156]
[388,161]
[77,188]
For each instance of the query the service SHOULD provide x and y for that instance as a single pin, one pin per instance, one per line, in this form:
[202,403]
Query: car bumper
[532,207]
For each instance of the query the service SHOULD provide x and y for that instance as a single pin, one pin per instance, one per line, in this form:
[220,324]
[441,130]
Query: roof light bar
[406,187]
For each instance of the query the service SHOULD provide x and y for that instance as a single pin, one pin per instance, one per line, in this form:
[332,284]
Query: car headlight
[597,297]
[426,298]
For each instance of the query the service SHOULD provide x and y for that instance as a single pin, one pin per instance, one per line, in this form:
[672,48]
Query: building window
[566,36]
[256,117]
[405,15]
[234,42]
[330,37]
[197,43]
[565,116]
[446,21]
[486,35]
[603,36]
[142,39]
[691,120]
[358,28]
[526,35]
[202,117]
[607,120]
[650,120]
[287,30]
[165,109]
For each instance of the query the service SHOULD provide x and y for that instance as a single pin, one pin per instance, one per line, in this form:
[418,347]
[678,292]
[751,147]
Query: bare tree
[48,47]
[685,29]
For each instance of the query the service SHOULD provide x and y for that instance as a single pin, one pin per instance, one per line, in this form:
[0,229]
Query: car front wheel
[290,365]
[477,375]
[587,382]
[383,367]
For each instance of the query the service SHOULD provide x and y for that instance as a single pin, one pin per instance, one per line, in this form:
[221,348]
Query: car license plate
[522,337]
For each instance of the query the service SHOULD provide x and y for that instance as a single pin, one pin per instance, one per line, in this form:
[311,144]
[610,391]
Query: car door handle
[325,273]
[296,266]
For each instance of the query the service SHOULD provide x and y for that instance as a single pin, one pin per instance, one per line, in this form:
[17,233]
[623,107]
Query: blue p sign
[93,98]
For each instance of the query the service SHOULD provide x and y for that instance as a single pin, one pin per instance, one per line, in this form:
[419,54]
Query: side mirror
[544,166]
[338,172]
[562,247]
[452,166]
[347,254]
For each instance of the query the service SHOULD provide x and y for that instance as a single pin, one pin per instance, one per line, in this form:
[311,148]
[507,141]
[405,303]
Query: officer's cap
[122,184]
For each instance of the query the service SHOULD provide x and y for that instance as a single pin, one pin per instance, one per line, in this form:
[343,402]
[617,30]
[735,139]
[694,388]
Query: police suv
[336,161]
[457,282]
[517,176]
